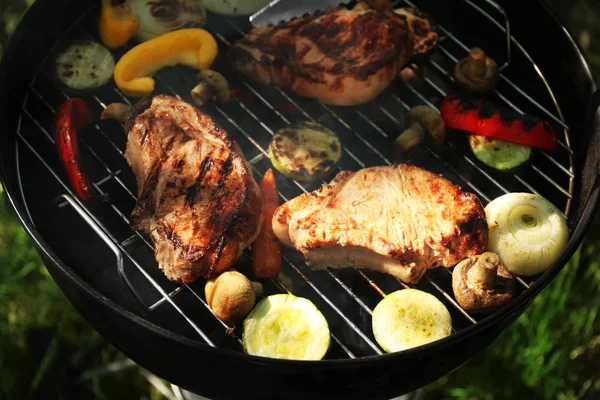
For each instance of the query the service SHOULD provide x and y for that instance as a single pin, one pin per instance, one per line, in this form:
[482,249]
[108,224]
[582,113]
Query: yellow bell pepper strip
[194,47]
[116,24]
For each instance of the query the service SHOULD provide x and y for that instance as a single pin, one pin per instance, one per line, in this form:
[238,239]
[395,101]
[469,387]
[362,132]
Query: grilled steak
[197,198]
[341,56]
[400,220]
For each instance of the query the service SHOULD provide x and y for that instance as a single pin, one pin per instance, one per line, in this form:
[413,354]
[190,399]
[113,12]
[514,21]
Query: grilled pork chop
[342,57]
[197,198]
[400,220]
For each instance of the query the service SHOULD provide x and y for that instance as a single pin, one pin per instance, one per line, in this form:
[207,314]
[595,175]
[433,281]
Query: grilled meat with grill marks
[197,197]
[341,56]
[400,220]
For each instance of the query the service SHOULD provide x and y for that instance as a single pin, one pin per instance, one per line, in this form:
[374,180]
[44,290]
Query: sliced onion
[162,16]
[527,231]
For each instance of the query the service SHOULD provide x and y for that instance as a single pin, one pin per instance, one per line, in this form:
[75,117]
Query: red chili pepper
[71,116]
[482,117]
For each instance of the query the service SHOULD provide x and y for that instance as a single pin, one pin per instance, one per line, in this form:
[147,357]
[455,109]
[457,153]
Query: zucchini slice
[286,326]
[409,318]
[499,154]
[305,151]
[84,65]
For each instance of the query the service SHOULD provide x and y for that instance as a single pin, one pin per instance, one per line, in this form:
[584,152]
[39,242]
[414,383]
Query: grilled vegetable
[235,7]
[499,154]
[266,250]
[71,116]
[286,326]
[527,231]
[230,296]
[84,65]
[194,47]
[305,151]
[212,85]
[116,24]
[481,284]
[408,318]
[162,16]
[477,72]
[425,125]
[482,117]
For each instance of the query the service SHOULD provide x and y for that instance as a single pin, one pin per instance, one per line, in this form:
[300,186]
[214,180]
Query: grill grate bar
[160,301]
[306,279]
[451,145]
[178,289]
[285,95]
[450,299]
[502,76]
[546,155]
[283,288]
[336,309]
[114,175]
[504,98]
[107,232]
[517,177]
[205,304]
[339,117]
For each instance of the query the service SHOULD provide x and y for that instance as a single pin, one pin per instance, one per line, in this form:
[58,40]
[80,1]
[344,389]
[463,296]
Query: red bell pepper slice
[71,116]
[483,117]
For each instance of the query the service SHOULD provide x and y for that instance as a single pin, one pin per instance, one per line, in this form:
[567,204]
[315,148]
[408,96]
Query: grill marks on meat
[197,198]
[400,220]
[341,56]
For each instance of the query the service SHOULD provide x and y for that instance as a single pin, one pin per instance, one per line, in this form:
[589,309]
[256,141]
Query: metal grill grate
[346,297]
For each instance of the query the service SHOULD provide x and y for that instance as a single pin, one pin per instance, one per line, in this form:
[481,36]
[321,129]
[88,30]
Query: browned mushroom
[481,284]
[231,296]
[425,125]
[477,72]
[118,111]
[211,85]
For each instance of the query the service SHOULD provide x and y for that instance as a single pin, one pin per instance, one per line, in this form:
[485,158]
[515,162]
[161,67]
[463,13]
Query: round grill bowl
[109,274]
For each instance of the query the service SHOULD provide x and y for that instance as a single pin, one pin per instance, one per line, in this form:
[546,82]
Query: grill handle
[592,164]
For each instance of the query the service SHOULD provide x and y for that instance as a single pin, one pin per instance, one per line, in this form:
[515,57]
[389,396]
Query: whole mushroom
[477,72]
[481,284]
[231,296]
[425,125]
[211,85]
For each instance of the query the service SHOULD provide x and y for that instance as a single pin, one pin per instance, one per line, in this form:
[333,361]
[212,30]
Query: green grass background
[551,352]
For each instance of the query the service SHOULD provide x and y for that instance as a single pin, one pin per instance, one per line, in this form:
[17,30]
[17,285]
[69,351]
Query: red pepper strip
[71,116]
[482,117]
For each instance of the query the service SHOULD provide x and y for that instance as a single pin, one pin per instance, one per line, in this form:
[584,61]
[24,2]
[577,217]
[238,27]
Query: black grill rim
[585,85]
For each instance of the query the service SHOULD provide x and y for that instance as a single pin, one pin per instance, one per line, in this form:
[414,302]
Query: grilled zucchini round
[84,65]
[288,327]
[499,154]
[306,151]
[409,318]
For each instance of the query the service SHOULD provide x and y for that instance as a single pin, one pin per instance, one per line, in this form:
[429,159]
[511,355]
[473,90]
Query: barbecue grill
[108,271]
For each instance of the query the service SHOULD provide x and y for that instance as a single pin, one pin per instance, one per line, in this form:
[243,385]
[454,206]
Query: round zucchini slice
[499,154]
[306,151]
[286,326]
[84,65]
[409,318]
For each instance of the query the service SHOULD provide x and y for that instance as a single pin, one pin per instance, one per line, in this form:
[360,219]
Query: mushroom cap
[475,295]
[216,82]
[477,72]
[230,296]
[431,121]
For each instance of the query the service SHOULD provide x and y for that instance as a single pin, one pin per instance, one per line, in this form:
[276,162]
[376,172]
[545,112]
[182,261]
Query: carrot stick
[266,250]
